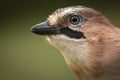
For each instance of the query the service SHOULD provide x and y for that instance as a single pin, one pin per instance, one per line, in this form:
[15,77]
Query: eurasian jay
[89,43]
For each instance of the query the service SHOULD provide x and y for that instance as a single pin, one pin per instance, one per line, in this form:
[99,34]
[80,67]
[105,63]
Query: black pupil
[74,19]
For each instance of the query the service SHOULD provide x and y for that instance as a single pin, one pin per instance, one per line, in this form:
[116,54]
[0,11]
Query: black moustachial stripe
[71,33]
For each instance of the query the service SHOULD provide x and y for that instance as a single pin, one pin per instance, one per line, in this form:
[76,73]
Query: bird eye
[76,19]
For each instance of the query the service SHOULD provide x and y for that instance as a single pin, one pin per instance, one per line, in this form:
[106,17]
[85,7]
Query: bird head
[78,33]
[74,22]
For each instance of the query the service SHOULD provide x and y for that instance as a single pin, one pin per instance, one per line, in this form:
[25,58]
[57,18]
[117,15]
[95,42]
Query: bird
[88,41]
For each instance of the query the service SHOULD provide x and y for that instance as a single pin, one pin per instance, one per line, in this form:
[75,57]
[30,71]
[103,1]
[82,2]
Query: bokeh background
[27,56]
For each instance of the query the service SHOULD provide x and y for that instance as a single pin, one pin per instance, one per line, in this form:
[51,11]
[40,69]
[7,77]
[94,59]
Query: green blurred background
[27,56]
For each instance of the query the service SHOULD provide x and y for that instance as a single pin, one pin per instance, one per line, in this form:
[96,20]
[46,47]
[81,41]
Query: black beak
[44,29]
